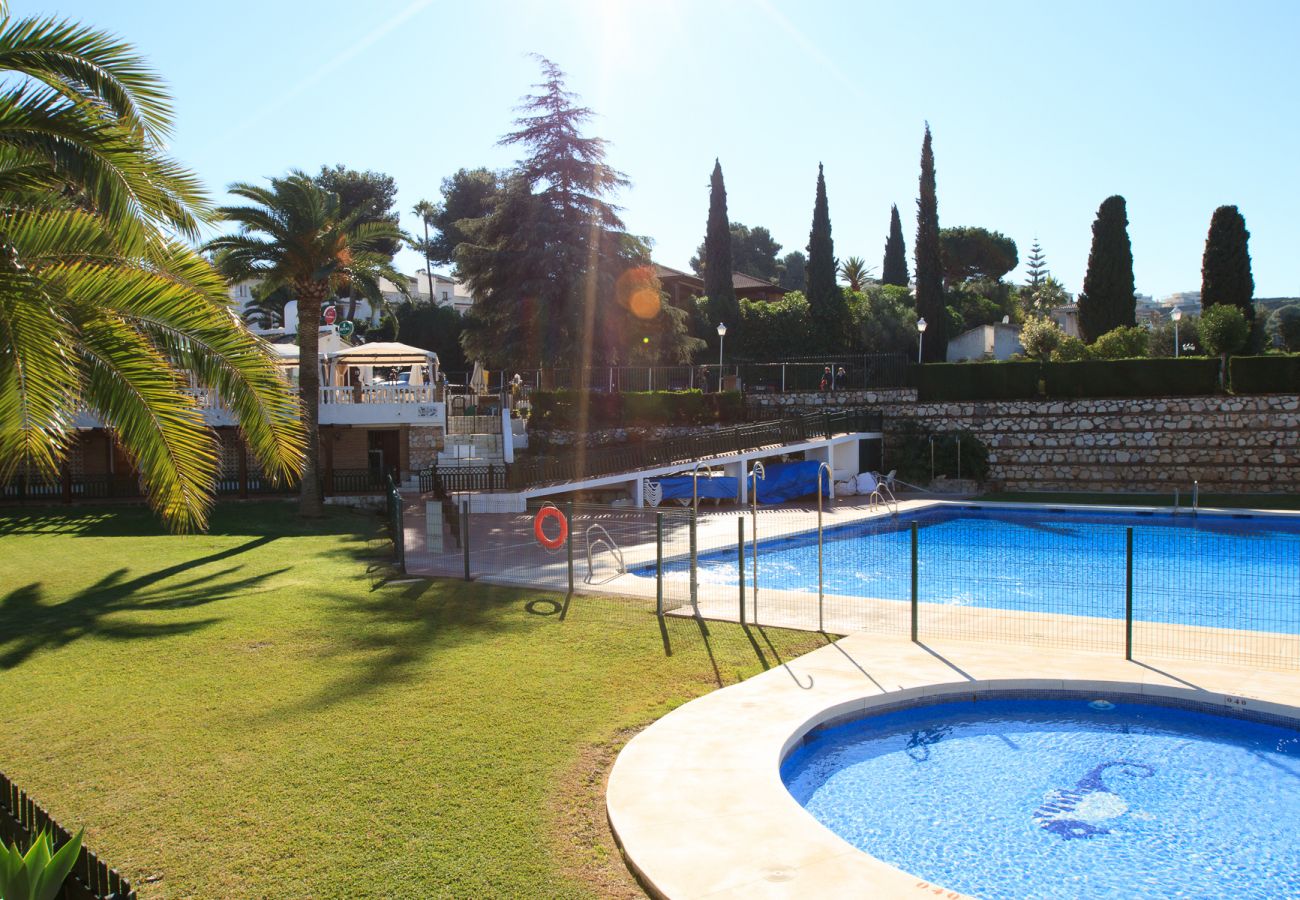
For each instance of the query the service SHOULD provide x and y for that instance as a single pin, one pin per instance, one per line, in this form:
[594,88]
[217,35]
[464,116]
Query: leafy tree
[983,303]
[468,197]
[1225,267]
[1125,342]
[370,196]
[1107,300]
[884,319]
[1285,323]
[549,265]
[930,303]
[296,235]
[431,326]
[894,269]
[825,299]
[103,301]
[975,254]
[753,252]
[793,271]
[718,263]
[855,272]
[1071,349]
[1224,329]
[1036,271]
[777,330]
[1048,295]
[1041,337]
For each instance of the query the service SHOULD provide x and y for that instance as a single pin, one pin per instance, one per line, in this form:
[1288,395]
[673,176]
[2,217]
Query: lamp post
[722,337]
[920,341]
[1176,315]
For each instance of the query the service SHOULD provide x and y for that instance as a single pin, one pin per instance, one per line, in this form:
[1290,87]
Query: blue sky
[1039,111]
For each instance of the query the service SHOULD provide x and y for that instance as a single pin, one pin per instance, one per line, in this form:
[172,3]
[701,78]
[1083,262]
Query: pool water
[1012,798]
[1222,571]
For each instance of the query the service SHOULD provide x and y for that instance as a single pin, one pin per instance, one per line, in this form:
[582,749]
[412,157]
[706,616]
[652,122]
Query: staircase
[471,450]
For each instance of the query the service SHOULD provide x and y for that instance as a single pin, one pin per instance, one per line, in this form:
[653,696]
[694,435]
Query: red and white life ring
[550,512]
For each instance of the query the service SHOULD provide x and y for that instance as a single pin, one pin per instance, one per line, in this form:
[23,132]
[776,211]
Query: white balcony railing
[385,394]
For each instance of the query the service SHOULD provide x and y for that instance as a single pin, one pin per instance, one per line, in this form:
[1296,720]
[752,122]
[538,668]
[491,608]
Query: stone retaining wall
[1230,444]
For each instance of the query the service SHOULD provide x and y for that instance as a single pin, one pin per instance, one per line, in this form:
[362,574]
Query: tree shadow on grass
[30,623]
[386,636]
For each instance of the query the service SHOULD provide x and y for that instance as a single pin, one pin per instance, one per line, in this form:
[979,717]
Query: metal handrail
[821,593]
[758,471]
[610,545]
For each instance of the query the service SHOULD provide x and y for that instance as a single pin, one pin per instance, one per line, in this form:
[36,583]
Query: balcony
[385,405]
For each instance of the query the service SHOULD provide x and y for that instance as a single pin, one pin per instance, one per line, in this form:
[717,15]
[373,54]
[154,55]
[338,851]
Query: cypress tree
[930,303]
[718,286]
[894,268]
[826,305]
[1107,300]
[1225,268]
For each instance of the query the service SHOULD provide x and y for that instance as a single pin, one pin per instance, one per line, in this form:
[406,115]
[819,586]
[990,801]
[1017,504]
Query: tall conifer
[718,286]
[930,303]
[1108,300]
[826,304]
[1225,267]
[1036,266]
[894,268]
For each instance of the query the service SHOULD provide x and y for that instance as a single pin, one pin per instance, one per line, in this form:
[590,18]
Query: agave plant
[104,304]
[855,272]
[40,873]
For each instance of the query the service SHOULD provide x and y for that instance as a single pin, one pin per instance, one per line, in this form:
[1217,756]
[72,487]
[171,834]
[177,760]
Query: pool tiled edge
[697,803]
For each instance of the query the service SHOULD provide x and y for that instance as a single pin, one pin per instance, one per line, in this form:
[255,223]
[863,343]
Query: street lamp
[920,341]
[1176,315]
[722,336]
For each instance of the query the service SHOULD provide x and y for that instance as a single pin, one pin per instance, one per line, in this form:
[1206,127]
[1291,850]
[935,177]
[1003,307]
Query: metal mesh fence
[1205,587]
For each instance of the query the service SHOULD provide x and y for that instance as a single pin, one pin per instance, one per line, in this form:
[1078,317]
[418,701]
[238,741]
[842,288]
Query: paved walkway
[697,803]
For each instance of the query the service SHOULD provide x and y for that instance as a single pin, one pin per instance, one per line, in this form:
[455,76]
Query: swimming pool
[1063,797]
[1223,571]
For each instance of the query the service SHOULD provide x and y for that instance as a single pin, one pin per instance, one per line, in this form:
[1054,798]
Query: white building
[986,342]
[421,288]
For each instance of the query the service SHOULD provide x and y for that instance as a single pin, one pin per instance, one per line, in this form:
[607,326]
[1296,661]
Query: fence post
[916,599]
[740,568]
[1128,593]
[568,542]
[464,534]
[695,585]
[659,564]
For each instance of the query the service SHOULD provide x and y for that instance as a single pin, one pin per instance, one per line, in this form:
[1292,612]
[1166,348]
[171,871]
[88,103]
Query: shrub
[1040,337]
[38,875]
[1265,374]
[1125,342]
[1224,329]
[1072,349]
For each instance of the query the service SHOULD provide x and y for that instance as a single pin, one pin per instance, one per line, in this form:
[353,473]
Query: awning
[385,354]
[285,354]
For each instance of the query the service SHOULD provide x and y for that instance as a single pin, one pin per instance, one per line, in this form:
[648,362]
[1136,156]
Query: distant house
[681,286]
[986,342]
[1067,317]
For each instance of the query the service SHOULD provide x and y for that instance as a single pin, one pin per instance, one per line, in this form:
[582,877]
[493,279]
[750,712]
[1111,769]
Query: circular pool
[1012,797]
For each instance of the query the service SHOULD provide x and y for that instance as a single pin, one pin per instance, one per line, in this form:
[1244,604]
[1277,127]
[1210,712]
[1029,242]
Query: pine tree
[1036,266]
[930,303]
[1107,300]
[718,287]
[894,268]
[1225,268]
[827,309]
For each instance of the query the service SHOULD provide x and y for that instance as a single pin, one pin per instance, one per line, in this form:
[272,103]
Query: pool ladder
[610,546]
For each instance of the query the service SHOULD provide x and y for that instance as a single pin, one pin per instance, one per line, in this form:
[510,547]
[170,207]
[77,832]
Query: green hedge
[559,409]
[1160,377]
[1264,374]
[978,381]
[1068,380]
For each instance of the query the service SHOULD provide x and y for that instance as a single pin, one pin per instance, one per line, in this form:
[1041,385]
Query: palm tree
[855,272]
[103,305]
[294,234]
[426,211]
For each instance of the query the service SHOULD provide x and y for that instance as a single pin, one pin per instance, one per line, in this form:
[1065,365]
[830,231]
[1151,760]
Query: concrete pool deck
[697,803]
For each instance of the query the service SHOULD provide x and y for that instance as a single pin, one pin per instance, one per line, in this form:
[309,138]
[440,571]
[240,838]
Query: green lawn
[248,714]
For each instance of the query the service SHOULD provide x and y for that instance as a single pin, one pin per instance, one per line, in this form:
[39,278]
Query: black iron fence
[858,371]
[22,819]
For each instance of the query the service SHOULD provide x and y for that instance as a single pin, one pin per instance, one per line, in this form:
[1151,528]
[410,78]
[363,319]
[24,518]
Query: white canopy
[285,354]
[385,354]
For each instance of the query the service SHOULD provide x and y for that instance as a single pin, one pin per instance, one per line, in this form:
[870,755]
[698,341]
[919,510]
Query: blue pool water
[1215,570]
[1012,798]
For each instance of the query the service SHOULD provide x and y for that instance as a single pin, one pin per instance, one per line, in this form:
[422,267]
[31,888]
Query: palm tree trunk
[310,295]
